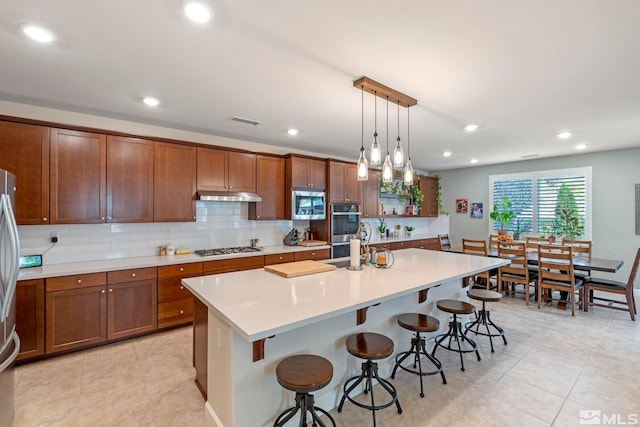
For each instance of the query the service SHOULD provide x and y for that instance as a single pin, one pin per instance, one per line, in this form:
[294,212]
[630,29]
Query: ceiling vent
[528,156]
[245,121]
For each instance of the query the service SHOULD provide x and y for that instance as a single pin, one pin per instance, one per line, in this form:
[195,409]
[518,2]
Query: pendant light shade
[376,153]
[398,154]
[408,169]
[362,166]
[387,168]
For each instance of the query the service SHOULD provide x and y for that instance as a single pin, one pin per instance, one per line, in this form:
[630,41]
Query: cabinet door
[298,169]
[75,318]
[312,255]
[77,177]
[241,172]
[30,318]
[129,179]
[370,195]
[317,174]
[429,188]
[273,259]
[133,308]
[336,182]
[352,187]
[269,186]
[174,182]
[212,169]
[24,151]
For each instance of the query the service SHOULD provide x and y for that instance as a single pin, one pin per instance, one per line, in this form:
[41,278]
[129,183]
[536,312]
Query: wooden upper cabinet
[429,188]
[24,151]
[269,186]
[77,177]
[303,172]
[370,195]
[220,170]
[343,183]
[129,179]
[174,182]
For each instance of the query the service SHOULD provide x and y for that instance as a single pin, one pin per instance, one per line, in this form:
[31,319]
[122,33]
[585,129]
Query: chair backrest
[532,242]
[555,265]
[516,252]
[578,247]
[634,271]
[444,242]
[493,241]
[474,247]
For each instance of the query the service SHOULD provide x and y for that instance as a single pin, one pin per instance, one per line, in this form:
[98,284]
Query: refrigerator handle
[14,254]
[13,356]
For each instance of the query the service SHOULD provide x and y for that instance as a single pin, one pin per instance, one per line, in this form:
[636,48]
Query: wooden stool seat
[418,322]
[304,373]
[455,307]
[369,345]
[484,295]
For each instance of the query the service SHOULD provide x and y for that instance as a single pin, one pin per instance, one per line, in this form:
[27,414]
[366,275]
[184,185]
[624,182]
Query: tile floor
[553,367]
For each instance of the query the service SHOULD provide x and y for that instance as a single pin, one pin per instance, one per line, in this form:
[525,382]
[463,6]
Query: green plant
[409,228]
[382,226]
[568,223]
[414,193]
[502,213]
[439,197]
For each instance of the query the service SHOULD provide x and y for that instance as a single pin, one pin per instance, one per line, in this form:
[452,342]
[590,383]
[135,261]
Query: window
[546,202]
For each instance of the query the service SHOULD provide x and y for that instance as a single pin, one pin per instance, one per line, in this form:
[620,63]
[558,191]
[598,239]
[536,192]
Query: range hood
[227,196]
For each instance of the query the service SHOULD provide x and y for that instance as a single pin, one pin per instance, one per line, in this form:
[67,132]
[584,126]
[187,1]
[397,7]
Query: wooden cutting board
[299,268]
[312,243]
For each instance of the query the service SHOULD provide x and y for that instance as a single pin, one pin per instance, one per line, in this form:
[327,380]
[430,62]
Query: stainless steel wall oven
[345,220]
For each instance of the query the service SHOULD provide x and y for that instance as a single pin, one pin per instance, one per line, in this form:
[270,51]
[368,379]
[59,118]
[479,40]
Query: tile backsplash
[218,224]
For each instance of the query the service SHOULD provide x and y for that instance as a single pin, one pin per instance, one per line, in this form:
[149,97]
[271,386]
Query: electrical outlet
[54,236]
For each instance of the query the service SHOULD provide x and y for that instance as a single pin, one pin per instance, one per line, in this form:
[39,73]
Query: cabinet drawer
[171,288]
[180,269]
[313,255]
[386,246]
[279,258]
[433,244]
[400,245]
[131,275]
[175,312]
[233,264]
[76,281]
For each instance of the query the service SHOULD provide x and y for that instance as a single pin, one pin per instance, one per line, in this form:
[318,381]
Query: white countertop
[258,304]
[55,270]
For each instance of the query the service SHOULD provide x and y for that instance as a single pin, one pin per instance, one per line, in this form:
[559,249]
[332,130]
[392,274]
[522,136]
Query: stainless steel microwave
[308,205]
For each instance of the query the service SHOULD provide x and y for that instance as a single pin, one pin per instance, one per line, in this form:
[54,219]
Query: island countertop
[258,304]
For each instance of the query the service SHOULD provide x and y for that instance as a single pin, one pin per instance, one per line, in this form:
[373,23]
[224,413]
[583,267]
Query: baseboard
[210,416]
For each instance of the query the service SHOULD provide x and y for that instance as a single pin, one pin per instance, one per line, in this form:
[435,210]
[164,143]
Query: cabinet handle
[230,187]
[279,257]
[181,287]
[102,291]
[133,274]
[110,290]
[44,219]
[181,311]
[102,218]
[181,269]
[313,254]
[79,281]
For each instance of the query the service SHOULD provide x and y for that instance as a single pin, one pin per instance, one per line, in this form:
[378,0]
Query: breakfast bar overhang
[311,314]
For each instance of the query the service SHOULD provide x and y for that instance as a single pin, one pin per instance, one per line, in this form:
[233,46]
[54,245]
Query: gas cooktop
[226,251]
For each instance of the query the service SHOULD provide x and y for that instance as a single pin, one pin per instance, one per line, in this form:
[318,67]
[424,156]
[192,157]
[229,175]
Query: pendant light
[362,167]
[408,169]
[387,168]
[398,154]
[376,154]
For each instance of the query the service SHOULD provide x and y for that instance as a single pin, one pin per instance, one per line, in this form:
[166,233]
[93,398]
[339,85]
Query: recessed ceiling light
[564,135]
[292,132]
[38,34]
[581,146]
[447,154]
[197,12]
[473,161]
[150,101]
[471,127]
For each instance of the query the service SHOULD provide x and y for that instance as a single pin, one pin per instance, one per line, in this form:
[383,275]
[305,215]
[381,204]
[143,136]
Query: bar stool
[455,331]
[369,346]
[483,317]
[418,323]
[303,374]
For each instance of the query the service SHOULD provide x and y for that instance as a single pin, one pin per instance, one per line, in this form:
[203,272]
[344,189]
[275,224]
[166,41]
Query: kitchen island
[311,314]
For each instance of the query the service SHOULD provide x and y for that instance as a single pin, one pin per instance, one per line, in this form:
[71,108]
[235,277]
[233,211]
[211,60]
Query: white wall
[615,174]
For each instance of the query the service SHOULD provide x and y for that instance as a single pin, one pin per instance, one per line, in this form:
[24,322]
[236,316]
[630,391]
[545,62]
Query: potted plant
[382,227]
[409,229]
[502,213]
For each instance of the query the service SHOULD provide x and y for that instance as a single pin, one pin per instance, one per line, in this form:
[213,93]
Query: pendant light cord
[398,120]
[362,111]
[408,137]
[387,125]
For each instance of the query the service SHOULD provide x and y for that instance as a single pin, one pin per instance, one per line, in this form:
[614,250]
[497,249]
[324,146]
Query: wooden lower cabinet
[312,255]
[432,244]
[406,244]
[233,264]
[200,344]
[132,302]
[175,302]
[30,318]
[273,259]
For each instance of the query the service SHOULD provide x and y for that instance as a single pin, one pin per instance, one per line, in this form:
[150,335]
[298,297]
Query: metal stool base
[483,317]
[304,404]
[455,333]
[369,372]
[417,349]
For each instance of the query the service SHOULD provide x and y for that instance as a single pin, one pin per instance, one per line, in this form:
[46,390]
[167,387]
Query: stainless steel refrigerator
[9,264]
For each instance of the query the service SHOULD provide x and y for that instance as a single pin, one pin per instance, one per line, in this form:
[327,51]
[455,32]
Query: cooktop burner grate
[226,251]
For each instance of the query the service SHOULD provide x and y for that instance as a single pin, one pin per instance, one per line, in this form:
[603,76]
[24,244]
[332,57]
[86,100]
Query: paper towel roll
[354,252]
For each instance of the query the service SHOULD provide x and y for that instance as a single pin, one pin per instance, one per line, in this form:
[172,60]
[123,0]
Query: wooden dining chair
[579,248]
[517,273]
[445,244]
[493,241]
[532,242]
[613,287]
[555,272]
[478,247]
